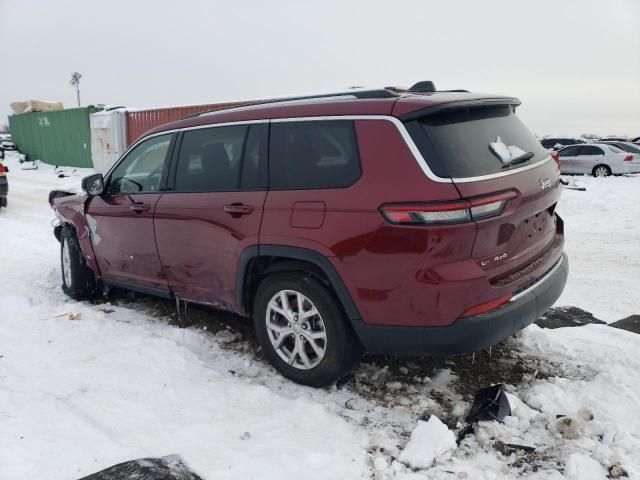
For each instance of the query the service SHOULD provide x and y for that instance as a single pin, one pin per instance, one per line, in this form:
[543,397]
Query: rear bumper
[468,334]
[4,187]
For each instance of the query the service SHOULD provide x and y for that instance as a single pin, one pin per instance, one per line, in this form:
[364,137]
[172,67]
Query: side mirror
[93,184]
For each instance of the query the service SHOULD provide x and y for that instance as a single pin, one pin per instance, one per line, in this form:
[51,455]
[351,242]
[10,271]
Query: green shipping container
[59,138]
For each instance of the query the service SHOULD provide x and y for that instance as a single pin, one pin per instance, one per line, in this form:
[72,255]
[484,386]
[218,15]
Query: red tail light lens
[3,169]
[556,157]
[444,213]
[628,158]
[486,307]
[427,214]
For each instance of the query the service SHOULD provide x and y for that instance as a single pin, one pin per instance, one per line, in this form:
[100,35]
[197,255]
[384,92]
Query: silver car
[597,159]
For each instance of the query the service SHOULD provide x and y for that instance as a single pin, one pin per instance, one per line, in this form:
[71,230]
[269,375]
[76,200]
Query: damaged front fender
[70,209]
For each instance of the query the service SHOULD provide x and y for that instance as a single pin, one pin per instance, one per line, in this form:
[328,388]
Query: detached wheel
[303,331]
[601,171]
[78,280]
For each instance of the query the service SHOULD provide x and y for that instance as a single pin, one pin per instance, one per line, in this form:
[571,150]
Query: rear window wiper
[525,157]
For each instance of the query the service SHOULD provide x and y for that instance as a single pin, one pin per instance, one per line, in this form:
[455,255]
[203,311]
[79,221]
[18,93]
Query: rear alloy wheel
[296,330]
[601,171]
[78,280]
[303,331]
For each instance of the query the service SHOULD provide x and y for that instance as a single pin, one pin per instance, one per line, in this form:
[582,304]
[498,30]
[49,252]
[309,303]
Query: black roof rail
[357,93]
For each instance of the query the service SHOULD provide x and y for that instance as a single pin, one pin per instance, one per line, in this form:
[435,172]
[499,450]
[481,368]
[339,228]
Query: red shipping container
[141,121]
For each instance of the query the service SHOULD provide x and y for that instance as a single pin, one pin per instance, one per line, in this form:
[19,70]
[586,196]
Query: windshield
[475,142]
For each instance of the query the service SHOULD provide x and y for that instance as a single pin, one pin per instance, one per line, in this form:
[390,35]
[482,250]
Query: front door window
[141,170]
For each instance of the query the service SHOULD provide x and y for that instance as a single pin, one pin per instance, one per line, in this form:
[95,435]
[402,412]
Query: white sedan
[597,159]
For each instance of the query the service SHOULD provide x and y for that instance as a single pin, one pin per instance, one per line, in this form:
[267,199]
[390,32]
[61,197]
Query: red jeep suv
[389,221]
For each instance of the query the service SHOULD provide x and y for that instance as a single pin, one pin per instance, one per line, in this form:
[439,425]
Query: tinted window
[459,143]
[569,152]
[591,151]
[254,166]
[313,154]
[210,159]
[552,142]
[619,149]
[141,169]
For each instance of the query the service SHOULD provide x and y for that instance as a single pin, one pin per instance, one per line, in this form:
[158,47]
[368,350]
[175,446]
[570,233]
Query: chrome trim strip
[414,149]
[503,174]
[395,121]
[399,126]
[540,280]
[174,130]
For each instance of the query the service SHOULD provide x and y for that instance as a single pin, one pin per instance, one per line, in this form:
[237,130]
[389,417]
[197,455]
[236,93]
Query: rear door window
[475,142]
[313,154]
[210,159]
[590,151]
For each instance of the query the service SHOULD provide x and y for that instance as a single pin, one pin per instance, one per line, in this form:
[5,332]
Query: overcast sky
[575,64]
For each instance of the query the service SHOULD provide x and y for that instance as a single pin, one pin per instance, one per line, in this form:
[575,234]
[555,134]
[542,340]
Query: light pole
[75,82]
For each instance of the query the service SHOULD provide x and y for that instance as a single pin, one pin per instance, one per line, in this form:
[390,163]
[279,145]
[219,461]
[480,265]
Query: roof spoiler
[463,105]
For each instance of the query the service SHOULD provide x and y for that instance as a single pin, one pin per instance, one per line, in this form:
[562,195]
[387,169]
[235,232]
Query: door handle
[139,207]
[237,209]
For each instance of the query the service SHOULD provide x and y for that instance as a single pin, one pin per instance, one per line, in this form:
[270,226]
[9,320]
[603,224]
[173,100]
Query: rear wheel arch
[258,261]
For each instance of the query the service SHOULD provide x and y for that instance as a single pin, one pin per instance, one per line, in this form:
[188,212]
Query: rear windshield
[475,142]
[615,149]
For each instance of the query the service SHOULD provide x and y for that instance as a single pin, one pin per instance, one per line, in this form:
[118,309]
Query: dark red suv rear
[398,222]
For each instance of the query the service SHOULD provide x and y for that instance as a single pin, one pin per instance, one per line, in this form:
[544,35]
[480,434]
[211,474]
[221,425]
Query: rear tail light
[443,213]
[486,307]
[556,157]
[628,158]
[3,169]
[427,214]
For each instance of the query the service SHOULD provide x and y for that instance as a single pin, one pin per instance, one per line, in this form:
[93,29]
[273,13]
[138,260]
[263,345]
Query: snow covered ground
[77,396]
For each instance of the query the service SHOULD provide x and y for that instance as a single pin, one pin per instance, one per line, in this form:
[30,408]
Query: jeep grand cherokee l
[388,221]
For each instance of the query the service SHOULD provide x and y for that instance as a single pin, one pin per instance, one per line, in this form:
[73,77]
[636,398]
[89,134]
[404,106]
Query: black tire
[605,168]
[342,349]
[82,283]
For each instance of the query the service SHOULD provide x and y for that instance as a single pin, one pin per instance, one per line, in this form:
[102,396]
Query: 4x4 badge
[544,184]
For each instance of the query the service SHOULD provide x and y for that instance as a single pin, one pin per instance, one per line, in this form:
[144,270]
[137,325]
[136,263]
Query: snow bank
[602,232]
[77,396]
[582,467]
[430,441]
